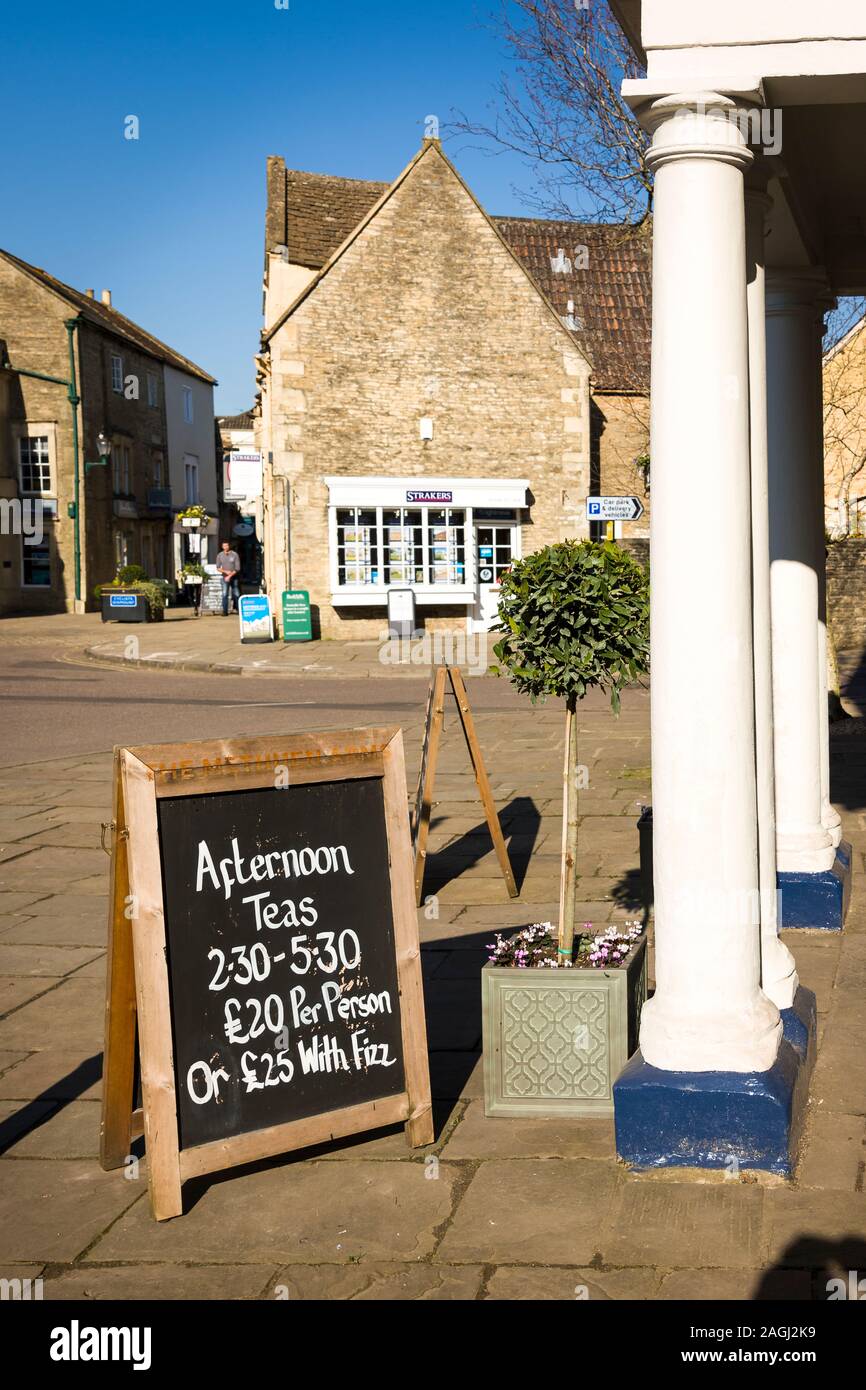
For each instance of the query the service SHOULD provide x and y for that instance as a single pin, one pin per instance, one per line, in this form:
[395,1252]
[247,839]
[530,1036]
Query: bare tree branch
[562,112]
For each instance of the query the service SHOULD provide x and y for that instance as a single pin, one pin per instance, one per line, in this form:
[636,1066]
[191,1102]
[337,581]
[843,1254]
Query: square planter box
[555,1041]
[119,607]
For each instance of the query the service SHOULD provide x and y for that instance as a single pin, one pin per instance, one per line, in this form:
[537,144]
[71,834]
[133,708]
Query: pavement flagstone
[495,1209]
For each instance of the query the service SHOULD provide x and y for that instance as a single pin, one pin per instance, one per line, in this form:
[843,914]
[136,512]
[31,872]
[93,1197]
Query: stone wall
[846,592]
[620,434]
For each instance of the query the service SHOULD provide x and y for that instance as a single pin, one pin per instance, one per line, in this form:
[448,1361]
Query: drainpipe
[74,401]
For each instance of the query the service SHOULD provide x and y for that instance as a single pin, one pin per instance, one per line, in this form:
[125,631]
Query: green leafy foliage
[575,616]
[131,574]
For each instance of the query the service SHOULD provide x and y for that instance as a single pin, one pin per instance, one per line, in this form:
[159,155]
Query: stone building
[152,406]
[845,435]
[440,390]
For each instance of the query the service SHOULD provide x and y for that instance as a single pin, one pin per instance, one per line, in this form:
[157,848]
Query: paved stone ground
[182,642]
[522,1209]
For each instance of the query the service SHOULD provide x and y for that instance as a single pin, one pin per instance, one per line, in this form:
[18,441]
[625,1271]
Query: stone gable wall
[426,314]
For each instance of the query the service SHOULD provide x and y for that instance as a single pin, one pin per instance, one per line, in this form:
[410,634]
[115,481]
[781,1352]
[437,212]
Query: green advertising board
[297,616]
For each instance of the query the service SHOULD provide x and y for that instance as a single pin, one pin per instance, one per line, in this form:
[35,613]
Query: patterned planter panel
[555,1041]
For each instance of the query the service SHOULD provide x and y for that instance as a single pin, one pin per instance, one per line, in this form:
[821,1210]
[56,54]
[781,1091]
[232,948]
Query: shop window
[35,565]
[404,546]
[35,465]
[446,530]
[357,546]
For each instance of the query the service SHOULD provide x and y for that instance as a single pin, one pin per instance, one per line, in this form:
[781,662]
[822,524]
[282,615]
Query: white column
[708,1013]
[796,563]
[778,971]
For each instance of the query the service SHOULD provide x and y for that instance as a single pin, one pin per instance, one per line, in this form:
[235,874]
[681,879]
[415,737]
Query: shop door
[495,550]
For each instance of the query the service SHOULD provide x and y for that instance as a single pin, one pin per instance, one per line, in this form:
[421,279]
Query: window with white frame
[190,473]
[416,546]
[357,546]
[446,527]
[117,373]
[34,465]
[187,405]
[152,390]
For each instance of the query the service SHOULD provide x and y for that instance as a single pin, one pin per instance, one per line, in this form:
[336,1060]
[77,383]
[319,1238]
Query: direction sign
[614,508]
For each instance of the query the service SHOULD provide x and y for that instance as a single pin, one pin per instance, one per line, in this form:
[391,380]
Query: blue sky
[173,223]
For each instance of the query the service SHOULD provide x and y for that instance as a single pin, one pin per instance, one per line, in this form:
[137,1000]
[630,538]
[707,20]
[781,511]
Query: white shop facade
[447,539]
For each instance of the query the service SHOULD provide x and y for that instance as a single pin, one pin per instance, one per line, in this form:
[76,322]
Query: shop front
[448,539]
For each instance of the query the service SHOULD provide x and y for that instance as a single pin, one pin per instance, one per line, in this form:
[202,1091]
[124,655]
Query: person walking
[229,566]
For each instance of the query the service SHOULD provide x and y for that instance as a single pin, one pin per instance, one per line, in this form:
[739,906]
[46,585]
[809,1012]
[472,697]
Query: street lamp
[103,444]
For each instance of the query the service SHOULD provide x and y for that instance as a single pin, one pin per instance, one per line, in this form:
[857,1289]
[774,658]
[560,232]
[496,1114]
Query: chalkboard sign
[275,952]
[212,594]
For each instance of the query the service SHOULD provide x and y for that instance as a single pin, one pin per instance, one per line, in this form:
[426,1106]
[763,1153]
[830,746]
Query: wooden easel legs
[432,736]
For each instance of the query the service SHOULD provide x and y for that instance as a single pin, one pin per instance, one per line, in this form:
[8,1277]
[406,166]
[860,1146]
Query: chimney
[90,294]
[106,297]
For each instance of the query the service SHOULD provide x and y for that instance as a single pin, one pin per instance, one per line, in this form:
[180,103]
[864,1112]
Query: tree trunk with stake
[568,880]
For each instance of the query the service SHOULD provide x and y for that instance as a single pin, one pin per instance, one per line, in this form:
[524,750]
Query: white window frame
[117,373]
[191,461]
[153,390]
[188,407]
[27,429]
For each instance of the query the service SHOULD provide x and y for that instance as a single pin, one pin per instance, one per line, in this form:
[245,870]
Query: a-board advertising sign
[274,965]
[256,618]
[401,614]
[297,616]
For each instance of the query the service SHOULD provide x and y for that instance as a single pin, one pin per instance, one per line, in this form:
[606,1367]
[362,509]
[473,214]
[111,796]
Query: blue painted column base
[671,1119]
[817,901]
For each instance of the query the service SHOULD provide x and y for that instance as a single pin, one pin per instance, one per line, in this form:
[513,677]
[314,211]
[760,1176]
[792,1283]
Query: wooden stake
[568,879]
[427,776]
[483,781]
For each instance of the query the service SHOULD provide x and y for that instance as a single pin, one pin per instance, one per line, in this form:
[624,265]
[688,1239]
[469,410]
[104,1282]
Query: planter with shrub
[561,1009]
[132,598]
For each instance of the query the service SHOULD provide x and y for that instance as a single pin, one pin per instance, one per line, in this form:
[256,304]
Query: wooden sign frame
[138,988]
[433,726]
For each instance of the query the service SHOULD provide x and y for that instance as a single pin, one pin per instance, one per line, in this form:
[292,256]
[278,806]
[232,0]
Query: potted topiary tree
[561,1008]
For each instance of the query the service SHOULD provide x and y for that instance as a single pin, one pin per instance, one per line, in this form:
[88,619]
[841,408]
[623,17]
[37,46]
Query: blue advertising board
[256,618]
